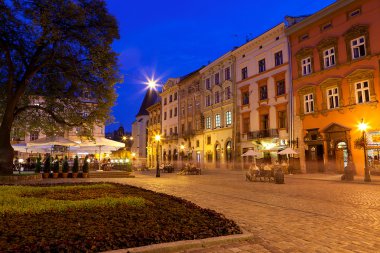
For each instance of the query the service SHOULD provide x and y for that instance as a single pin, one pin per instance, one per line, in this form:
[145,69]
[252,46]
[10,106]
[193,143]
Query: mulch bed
[162,219]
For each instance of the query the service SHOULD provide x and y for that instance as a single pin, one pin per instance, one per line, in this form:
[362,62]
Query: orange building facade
[335,57]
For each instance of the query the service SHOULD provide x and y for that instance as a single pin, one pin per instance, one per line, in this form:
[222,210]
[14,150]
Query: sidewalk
[333,177]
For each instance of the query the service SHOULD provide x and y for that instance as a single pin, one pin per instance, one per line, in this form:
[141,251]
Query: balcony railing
[266,133]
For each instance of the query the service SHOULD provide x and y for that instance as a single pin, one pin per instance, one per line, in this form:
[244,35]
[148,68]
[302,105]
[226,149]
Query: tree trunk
[6,150]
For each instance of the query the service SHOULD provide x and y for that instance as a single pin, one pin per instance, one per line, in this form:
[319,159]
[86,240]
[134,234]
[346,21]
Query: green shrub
[38,165]
[47,164]
[56,165]
[65,165]
[85,165]
[75,167]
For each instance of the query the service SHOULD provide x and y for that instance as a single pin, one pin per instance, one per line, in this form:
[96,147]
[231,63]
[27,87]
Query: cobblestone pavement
[299,216]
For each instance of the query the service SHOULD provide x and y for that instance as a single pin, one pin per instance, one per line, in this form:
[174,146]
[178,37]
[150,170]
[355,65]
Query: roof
[151,97]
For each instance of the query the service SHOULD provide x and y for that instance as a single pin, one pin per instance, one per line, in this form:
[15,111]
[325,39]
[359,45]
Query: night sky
[170,38]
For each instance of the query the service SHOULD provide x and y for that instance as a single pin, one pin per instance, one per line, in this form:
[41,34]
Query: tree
[57,68]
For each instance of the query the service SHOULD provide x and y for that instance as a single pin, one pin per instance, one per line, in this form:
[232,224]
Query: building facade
[190,143]
[154,129]
[218,85]
[335,71]
[140,127]
[169,119]
[263,93]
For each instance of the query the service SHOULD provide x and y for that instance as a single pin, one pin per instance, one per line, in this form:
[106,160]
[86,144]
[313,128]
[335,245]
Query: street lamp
[363,127]
[157,138]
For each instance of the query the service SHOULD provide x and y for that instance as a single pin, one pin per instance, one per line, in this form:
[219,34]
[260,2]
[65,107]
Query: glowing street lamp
[363,127]
[157,138]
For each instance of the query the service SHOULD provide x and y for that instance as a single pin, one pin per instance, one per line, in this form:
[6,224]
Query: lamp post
[157,138]
[363,127]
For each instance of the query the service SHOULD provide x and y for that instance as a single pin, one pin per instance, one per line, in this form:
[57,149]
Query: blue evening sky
[170,38]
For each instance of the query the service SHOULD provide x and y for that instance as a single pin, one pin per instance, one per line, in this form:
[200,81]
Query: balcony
[266,133]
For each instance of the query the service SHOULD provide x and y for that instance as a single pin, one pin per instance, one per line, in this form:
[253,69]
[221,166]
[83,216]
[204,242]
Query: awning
[101,142]
[51,141]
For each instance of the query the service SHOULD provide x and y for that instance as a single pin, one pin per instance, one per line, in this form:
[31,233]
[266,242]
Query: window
[278,58]
[175,96]
[208,123]
[354,13]
[358,47]
[306,66]
[175,112]
[228,118]
[227,73]
[190,109]
[217,78]
[208,140]
[362,92]
[326,26]
[34,135]
[281,116]
[164,115]
[280,87]
[217,97]
[329,57]
[246,124]
[264,121]
[183,111]
[208,100]
[197,143]
[263,92]
[309,103]
[333,98]
[227,92]
[262,65]
[244,73]
[171,131]
[183,128]
[165,102]
[304,37]
[175,130]
[245,98]
[170,113]
[217,120]
[197,105]
[208,84]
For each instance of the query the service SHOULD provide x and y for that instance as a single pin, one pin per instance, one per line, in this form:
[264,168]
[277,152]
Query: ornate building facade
[335,59]
[169,119]
[263,88]
[154,128]
[218,85]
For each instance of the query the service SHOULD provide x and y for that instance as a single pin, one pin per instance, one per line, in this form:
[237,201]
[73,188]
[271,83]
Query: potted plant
[46,167]
[55,167]
[85,167]
[38,168]
[75,167]
[65,168]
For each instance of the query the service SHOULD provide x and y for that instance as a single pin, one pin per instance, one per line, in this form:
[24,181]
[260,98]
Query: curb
[186,245]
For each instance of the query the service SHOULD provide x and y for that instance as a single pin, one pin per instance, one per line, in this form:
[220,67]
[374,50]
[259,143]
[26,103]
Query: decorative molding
[355,32]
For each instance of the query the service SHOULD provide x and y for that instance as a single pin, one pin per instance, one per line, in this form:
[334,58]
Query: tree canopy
[57,67]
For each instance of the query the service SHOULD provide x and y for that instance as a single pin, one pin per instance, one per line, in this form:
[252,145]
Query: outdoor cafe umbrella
[101,142]
[253,153]
[51,142]
[287,152]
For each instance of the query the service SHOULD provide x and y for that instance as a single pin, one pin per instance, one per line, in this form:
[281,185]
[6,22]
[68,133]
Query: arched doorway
[169,155]
[217,155]
[175,155]
[228,151]
[164,155]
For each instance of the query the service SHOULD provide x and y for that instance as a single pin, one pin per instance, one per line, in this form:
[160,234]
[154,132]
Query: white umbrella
[101,142]
[288,151]
[251,152]
[51,141]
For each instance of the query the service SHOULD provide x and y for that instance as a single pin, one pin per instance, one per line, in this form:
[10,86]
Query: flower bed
[100,217]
